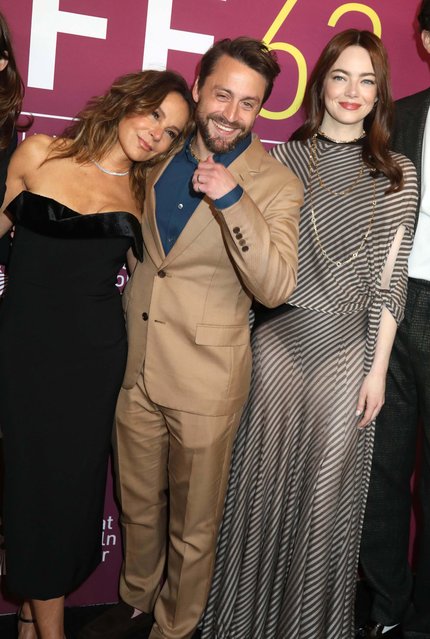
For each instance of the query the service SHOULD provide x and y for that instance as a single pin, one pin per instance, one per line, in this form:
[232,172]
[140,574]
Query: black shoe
[117,623]
[373,630]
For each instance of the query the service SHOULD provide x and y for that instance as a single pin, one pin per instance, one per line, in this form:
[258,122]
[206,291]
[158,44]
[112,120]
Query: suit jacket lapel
[202,216]
[249,162]
[151,236]
[245,165]
[409,133]
[419,119]
[415,135]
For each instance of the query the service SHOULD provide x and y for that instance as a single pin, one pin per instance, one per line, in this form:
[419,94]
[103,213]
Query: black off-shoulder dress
[63,351]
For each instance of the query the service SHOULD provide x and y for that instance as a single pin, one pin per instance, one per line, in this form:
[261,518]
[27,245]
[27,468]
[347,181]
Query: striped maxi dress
[288,547]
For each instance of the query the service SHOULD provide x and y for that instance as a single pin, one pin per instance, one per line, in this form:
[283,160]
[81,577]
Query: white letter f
[46,22]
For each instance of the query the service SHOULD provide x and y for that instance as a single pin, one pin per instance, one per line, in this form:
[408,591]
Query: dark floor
[77,618]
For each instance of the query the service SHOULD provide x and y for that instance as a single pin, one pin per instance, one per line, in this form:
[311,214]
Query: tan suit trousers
[172,475]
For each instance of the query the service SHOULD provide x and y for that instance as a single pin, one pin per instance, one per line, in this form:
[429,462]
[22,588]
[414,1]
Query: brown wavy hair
[95,130]
[378,123]
[11,90]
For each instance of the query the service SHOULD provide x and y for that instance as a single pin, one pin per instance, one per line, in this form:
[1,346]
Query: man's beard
[214,143]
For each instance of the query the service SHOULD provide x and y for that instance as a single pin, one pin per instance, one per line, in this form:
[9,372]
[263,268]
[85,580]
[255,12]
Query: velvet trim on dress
[49,217]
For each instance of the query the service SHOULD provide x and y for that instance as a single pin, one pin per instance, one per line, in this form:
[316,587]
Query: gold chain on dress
[313,161]
[313,167]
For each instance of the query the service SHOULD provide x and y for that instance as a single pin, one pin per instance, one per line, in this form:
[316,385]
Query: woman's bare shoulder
[37,147]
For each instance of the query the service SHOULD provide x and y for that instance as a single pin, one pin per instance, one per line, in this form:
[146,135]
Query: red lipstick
[350,106]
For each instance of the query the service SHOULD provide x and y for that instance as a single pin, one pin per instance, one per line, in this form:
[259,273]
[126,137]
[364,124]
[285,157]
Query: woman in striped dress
[288,548]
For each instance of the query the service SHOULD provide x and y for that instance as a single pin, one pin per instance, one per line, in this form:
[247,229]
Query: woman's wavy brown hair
[11,90]
[95,130]
[378,124]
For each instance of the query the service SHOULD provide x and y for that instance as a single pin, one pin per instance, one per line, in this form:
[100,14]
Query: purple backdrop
[70,50]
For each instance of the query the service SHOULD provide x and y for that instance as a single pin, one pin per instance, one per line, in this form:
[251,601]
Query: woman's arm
[28,157]
[387,309]
[372,393]
[5,224]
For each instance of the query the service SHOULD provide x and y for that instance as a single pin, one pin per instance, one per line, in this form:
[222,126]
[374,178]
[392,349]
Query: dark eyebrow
[347,73]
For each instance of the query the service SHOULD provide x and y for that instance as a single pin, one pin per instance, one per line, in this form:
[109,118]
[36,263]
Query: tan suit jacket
[187,312]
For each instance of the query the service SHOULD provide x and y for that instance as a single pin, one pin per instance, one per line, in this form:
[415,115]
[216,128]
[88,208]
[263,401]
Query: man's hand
[213,179]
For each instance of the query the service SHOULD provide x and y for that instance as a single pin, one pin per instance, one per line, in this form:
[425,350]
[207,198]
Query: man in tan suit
[220,227]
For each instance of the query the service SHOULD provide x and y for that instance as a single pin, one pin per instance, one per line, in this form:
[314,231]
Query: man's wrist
[229,198]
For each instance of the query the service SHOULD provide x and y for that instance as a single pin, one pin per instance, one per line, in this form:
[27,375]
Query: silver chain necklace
[109,172]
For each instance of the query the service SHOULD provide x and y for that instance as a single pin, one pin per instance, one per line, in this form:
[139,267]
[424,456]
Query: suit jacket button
[161,273]
[245,248]
[145,316]
[239,236]
[242,242]
[236,229]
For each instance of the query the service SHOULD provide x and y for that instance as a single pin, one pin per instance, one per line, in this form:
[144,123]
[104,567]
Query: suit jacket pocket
[213,335]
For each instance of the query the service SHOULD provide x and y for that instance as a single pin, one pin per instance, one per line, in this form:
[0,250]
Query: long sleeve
[263,241]
[391,285]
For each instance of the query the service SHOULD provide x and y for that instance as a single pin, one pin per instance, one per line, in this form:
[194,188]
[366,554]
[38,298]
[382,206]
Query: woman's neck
[341,133]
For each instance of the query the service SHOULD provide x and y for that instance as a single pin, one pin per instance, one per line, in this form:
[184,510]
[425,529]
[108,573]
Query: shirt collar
[222,158]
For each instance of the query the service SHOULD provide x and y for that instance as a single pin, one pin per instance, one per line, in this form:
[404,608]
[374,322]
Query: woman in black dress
[75,202]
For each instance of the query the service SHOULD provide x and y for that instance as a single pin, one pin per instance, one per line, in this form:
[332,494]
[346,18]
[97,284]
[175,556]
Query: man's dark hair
[254,53]
[424,16]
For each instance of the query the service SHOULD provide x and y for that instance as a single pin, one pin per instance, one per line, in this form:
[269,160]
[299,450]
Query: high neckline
[355,142]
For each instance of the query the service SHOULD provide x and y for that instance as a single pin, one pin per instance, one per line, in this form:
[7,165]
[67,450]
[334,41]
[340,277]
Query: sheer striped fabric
[288,547]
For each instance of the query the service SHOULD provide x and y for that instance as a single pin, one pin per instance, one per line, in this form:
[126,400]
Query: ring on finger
[198,178]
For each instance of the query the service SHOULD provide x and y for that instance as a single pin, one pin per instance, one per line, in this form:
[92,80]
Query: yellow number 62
[298,55]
